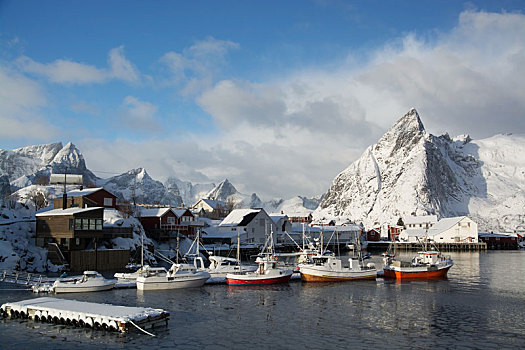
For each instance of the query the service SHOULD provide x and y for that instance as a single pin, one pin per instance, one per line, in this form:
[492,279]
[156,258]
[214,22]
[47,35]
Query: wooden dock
[444,247]
[85,314]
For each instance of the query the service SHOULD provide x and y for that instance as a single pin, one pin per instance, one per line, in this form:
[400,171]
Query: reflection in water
[480,305]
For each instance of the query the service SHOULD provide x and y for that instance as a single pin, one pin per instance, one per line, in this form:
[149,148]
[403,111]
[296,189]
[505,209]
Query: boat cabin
[426,258]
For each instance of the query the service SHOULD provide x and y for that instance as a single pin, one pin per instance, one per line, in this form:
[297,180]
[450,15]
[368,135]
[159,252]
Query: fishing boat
[267,272]
[329,268]
[90,281]
[219,266]
[178,276]
[426,264]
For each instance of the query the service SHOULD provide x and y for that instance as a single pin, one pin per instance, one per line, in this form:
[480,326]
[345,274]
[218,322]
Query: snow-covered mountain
[227,193]
[27,165]
[137,185]
[409,171]
[190,193]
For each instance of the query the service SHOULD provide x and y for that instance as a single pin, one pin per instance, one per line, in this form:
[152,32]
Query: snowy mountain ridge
[409,171]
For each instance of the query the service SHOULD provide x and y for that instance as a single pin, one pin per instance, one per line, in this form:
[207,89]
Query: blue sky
[276,96]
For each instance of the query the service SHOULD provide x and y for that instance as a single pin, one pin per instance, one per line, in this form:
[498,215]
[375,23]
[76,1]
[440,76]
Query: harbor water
[481,305]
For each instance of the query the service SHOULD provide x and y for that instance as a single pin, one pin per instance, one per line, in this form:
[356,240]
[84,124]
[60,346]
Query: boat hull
[240,281]
[59,288]
[311,275]
[165,283]
[416,273]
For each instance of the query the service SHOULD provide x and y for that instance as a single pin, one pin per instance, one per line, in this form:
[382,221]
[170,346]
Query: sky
[276,96]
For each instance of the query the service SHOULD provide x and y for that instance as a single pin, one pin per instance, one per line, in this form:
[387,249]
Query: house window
[92,224]
[71,224]
[78,224]
[171,220]
[77,241]
[98,224]
[108,202]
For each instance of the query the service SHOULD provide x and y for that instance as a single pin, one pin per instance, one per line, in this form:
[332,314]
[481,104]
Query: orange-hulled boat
[425,265]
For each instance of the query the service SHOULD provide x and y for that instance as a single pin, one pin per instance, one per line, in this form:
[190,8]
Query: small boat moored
[329,268]
[426,264]
[90,281]
[178,276]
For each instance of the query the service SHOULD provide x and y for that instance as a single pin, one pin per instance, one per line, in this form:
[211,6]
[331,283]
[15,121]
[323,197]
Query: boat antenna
[238,248]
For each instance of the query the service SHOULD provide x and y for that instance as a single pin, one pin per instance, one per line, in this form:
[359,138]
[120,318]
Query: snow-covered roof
[153,212]
[237,216]
[84,192]
[68,211]
[446,223]
[420,219]
[213,203]
[179,212]
[442,225]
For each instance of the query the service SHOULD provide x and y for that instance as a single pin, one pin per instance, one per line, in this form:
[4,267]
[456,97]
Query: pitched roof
[213,203]
[68,211]
[83,192]
[180,212]
[240,217]
[420,219]
[153,212]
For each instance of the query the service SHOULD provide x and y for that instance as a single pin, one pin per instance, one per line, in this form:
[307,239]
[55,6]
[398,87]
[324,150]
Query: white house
[420,222]
[211,208]
[459,229]
[251,225]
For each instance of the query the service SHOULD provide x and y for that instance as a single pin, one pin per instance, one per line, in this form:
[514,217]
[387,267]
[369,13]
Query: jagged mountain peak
[222,191]
[411,171]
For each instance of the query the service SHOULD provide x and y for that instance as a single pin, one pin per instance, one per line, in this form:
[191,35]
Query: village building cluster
[75,228]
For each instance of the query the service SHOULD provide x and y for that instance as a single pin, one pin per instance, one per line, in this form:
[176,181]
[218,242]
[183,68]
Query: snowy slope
[137,184]
[411,171]
[25,166]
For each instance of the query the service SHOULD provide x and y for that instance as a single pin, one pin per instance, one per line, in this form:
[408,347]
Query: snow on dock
[86,314]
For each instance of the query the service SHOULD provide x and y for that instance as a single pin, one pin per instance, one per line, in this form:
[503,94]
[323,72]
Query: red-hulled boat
[267,273]
[426,264]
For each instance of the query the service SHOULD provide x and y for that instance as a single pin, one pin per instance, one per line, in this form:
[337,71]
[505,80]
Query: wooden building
[164,223]
[86,198]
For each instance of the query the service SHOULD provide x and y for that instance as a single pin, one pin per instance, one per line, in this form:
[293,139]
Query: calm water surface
[480,305]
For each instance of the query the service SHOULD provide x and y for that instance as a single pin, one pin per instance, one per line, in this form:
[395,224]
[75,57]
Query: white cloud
[138,115]
[70,72]
[63,71]
[195,68]
[20,102]
[316,122]
[121,68]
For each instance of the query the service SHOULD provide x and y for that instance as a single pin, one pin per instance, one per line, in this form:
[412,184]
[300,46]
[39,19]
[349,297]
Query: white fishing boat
[178,276]
[132,276]
[329,268]
[267,272]
[90,281]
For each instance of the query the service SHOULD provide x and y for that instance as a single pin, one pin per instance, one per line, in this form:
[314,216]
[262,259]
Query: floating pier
[86,314]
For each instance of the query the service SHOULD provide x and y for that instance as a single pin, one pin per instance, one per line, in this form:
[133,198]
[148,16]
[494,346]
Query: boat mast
[238,248]
[142,248]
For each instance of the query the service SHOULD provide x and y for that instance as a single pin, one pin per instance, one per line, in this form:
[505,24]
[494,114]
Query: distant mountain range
[30,165]
[410,171]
